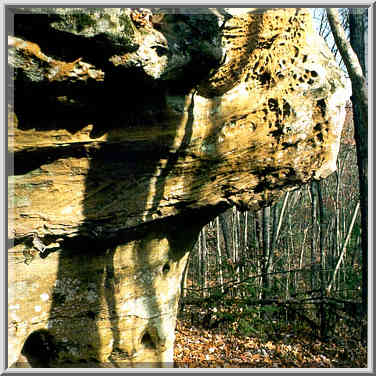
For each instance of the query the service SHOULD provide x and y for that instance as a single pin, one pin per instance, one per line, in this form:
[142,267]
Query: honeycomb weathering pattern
[260,47]
[275,56]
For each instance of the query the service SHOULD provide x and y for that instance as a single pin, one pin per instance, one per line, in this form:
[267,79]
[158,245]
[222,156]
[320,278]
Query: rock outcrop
[129,130]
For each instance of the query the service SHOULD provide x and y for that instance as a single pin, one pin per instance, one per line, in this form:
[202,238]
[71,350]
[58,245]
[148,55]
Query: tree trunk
[267,254]
[321,228]
[313,234]
[204,263]
[338,219]
[235,246]
[343,250]
[354,58]
[357,34]
[219,255]
[225,233]
[356,21]
[284,205]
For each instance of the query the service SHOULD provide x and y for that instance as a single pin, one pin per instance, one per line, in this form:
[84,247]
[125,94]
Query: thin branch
[281,215]
[343,250]
[350,59]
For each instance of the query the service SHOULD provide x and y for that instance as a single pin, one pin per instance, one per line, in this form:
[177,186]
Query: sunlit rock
[129,131]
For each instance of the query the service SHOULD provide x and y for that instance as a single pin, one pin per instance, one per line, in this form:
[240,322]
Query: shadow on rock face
[115,325]
[128,227]
[39,350]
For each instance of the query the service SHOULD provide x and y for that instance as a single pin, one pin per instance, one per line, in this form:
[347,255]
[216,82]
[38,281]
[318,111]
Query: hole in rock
[160,50]
[265,78]
[286,108]
[286,145]
[317,127]
[147,341]
[39,349]
[322,105]
[166,268]
[91,315]
[273,104]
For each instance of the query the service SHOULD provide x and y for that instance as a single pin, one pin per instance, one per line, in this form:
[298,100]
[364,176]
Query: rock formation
[129,130]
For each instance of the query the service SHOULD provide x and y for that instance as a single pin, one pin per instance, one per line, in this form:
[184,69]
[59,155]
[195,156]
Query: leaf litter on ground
[197,347]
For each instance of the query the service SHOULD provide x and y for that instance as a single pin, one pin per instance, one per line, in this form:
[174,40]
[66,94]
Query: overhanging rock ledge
[130,129]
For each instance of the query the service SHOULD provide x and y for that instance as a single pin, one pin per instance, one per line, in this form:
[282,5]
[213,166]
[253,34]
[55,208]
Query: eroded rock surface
[129,130]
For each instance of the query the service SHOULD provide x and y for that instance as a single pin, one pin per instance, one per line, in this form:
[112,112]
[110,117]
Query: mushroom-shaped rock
[129,130]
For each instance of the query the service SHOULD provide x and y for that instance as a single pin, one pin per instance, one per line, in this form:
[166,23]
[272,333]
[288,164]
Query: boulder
[129,130]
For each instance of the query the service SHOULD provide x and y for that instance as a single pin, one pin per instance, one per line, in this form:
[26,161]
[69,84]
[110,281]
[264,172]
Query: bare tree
[354,58]
[343,250]
[267,252]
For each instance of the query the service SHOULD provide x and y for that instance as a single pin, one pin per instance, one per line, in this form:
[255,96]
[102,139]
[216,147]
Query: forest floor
[197,347]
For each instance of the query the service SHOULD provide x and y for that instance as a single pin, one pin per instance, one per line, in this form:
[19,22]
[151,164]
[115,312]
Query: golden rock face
[261,47]
[105,306]
[120,158]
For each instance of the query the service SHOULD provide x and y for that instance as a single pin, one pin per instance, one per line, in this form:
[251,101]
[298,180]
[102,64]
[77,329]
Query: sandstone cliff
[129,130]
